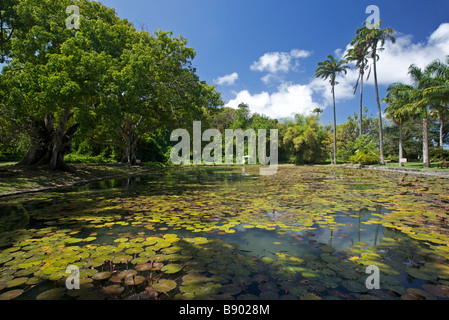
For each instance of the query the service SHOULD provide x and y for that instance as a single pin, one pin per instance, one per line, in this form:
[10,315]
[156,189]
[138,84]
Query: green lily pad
[16,282]
[9,295]
[122,259]
[420,274]
[354,286]
[172,268]
[164,285]
[52,294]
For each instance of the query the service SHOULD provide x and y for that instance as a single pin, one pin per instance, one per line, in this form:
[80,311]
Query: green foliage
[364,157]
[438,154]
[363,150]
[80,158]
[303,140]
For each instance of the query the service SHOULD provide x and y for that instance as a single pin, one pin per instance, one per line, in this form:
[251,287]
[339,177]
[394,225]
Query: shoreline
[130,171]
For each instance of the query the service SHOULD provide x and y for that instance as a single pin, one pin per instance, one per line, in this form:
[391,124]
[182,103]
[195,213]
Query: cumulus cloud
[288,100]
[275,62]
[396,58]
[229,79]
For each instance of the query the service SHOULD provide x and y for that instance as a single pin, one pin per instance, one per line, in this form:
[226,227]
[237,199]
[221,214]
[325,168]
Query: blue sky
[265,52]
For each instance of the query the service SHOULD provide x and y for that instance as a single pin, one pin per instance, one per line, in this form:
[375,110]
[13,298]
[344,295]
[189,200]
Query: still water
[215,233]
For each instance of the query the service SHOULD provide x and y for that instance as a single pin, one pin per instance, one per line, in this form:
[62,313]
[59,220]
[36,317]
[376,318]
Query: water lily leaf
[172,268]
[134,280]
[52,294]
[354,286]
[437,290]
[122,259]
[11,294]
[164,285]
[420,274]
[328,249]
[143,267]
[102,275]
[126,273]
[16,282]
[148,294]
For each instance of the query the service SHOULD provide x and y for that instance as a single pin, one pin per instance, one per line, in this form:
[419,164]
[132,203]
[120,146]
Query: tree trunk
[379,111]
[400,144]
[49,145]
[129,154]
[361,103]
[425,144]
[335,126]
[40,132]
[441,132]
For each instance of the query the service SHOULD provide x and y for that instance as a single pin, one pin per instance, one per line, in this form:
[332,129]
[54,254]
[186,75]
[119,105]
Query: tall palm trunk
[425,143]
[379,111]
[440,119]
[400,144]
[361,103]
[335,126]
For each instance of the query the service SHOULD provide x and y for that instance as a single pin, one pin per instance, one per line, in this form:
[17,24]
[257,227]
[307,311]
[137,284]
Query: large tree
[56,77]
[373,40]
[329,69]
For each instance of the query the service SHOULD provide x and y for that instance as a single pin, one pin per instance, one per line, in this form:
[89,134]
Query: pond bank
[16,180]
[420,172]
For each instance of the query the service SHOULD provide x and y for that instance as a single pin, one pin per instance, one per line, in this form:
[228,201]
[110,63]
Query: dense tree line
[108,92]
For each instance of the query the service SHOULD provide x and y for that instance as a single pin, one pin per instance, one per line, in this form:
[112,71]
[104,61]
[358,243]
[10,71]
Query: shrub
[81,158]
[364,158]
[438,154]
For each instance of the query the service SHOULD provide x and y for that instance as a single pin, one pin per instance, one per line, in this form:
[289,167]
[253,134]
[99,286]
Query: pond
[228,233]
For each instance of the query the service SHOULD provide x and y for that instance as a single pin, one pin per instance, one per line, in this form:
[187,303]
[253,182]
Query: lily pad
[134,280]
[12,294]
[101,275]
[17,282]
[164,285]
[126,273]
[172,268]
[52,294]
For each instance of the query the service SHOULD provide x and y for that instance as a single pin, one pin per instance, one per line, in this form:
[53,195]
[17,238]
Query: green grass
[415,165]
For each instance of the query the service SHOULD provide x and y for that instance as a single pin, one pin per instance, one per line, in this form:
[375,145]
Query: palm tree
[330,68]
[398,95]
[373,41]
[360,56]
[439,94]
[422,79]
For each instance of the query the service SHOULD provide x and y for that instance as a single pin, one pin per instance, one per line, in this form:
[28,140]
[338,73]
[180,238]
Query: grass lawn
[13,179]
[418,165]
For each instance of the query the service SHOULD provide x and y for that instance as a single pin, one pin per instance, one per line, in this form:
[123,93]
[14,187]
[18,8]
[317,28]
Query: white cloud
[289,99]
[275,62]
[229,79]
[395,59]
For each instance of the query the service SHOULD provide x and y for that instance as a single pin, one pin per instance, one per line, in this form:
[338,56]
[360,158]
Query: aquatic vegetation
[211,233]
